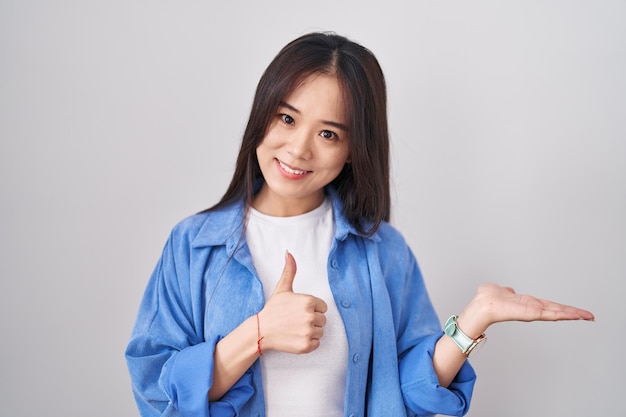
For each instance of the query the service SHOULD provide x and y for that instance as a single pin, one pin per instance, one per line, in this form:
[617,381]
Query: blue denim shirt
[205,285]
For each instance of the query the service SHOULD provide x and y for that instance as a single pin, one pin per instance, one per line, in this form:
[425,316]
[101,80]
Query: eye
[287,119]
[329,134]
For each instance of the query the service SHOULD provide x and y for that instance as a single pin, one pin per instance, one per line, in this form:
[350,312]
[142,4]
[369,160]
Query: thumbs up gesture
[285,283]
[292,322]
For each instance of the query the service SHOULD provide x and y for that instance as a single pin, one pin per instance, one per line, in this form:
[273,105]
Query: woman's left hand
[493,304]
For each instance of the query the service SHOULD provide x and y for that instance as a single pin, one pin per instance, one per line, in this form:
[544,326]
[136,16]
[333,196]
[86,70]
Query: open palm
[504,304]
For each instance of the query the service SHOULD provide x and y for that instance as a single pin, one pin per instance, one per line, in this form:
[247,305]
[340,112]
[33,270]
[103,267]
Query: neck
[273,205]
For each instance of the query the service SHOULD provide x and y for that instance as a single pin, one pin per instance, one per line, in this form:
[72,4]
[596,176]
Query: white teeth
[291,171]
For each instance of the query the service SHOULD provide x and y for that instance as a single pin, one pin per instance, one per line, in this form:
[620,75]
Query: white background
[119,118]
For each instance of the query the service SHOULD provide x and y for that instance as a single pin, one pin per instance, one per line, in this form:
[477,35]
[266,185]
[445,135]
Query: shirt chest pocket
[232,294]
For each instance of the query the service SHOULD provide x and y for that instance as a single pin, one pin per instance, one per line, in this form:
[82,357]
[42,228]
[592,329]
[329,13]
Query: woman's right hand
[291,322]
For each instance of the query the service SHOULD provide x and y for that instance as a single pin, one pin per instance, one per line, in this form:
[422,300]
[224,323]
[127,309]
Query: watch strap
[463,341]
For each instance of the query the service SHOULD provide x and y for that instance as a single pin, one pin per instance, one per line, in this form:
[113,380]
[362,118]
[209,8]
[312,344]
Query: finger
[550,315]
[546,310]
[558,311]
[317,333]
[319,320]
[312,345]
[285,283]
[320,306]
[587,315]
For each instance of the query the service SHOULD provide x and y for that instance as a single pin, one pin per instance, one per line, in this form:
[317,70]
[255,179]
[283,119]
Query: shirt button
[334,264]
[346,304]
[352,415]
[356,357]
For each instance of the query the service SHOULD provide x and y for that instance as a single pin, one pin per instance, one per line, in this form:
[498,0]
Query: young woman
[293,296]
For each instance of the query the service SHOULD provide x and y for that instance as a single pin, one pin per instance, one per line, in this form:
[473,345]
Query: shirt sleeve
[417,331]
[420,386]
[170,363]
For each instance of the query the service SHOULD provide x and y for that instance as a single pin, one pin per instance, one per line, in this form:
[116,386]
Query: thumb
[285,283]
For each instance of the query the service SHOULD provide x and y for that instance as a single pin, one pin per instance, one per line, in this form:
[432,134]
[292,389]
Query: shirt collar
[343,227]
[224,226]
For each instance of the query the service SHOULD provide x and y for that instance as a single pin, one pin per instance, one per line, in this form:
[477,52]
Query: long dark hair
[363,184]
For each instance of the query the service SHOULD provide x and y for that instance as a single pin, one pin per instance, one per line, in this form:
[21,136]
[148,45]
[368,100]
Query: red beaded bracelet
[259,337]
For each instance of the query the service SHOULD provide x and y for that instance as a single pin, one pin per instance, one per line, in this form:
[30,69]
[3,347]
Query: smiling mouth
[291,170]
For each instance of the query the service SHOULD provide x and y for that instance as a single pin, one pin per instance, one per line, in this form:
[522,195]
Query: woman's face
[304,148]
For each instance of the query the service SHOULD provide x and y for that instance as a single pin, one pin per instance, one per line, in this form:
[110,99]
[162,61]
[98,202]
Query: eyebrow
[327,122]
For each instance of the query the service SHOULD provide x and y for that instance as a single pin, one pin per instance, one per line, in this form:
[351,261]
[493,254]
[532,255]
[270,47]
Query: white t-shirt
[311,384]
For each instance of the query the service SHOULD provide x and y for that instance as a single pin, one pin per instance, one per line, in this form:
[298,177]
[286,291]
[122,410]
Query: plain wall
[120,118]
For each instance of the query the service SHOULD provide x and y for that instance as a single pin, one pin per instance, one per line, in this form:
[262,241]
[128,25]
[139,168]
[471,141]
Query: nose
[299,144]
